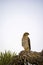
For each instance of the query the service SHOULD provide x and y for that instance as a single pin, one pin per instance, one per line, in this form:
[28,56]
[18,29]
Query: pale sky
[17,17]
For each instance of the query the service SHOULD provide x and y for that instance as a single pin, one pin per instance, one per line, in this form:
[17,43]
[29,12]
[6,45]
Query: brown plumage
[26,42]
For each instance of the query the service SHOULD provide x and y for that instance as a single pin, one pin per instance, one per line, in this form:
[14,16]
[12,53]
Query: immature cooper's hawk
[26,42]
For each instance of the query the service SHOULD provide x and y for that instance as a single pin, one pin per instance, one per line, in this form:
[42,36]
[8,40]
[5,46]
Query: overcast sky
[17,17]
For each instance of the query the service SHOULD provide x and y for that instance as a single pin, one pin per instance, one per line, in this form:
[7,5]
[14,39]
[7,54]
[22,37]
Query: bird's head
[26,34]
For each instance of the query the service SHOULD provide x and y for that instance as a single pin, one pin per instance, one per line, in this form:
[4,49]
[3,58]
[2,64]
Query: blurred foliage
[9,58]
[6,57]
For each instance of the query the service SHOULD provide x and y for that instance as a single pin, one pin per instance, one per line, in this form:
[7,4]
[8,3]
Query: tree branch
[25,56]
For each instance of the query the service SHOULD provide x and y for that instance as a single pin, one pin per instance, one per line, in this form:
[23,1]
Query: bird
[26,42]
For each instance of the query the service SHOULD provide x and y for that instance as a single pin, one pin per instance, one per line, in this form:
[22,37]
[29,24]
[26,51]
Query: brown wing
[29,43]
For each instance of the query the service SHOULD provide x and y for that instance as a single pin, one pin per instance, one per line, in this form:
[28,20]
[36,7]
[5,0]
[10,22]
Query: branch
[25,56]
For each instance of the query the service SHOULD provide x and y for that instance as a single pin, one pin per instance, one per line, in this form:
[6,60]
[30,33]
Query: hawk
[26,41]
